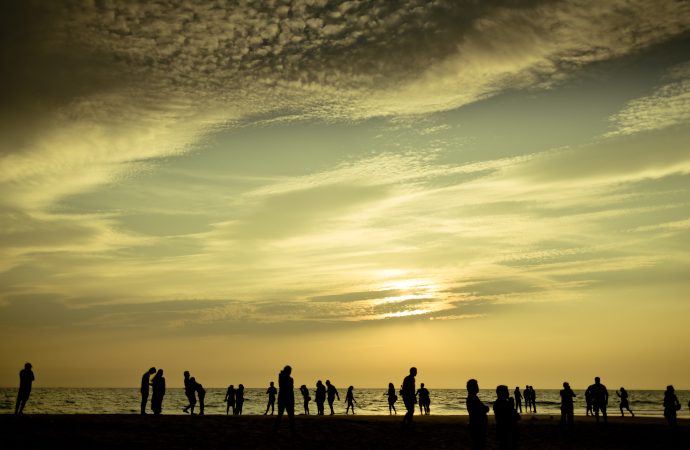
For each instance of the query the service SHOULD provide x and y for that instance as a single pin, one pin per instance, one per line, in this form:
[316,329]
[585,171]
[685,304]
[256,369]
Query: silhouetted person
[271,392]
[145,383]
[190,392]
[588,402]
[26,379]
[350,400]
[392,398]
[239,400]
[528,400]
[286,397]
[408,395]
[600,398]
[424,400]
[305,397]
[332,393]
[230,400]
[623,395]
[201,392]
[320,397]
[671,406]
[158,388]
[506,418]
[533,399]
[518,400]
[477,412]
[567,408]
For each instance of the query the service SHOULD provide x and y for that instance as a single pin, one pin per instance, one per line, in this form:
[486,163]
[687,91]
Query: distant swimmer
[26,379]
[506,419]
[477,412]
[623,395]
[306,398]
[145,383]
[158,391]
[600,398]
[286,397]
[239,400]
[518,399]
[424,400]
[392,398]
[230,400]
[189,392]
[320,397]
[271,392]
[350,400]
[567,409]
[408,395]
[332,394]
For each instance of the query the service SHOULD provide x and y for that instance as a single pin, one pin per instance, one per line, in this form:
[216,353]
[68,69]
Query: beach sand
[311,432]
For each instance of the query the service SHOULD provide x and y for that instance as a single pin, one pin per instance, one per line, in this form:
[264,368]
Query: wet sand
[312,432]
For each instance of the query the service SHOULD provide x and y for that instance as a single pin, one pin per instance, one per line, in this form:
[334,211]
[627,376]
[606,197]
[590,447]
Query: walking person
[305,397]
[350,400]
[408,395]
[230,400]
[145,383]
[271,392]
[567,408]
[320,397]
[332,393]
[624,404]
[286,397]
[392,398]
[477,412]
[26,379]
[158,391]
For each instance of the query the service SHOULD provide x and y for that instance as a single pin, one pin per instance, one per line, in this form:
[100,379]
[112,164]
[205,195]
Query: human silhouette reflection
[239,400]
[624,404]
[145,383]
[26,379]
[271,392]
[158,388]
[320,397]
[600,398]
[567,409]
[518,399]
[506,419]
[305,397]
[424,400]
[286,397]
[350,400]
[332,393]
[190,392]
[408,395]
[392,398]
[477,412]
[230,400]
[671,406]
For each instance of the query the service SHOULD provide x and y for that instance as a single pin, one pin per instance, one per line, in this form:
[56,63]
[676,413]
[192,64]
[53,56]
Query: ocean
[369,401]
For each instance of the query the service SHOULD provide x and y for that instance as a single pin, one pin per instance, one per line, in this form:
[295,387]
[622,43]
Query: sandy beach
[351,432]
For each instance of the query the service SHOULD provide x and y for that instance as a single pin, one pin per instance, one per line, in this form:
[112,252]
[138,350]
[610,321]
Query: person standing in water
[392,398]
[350,400]
[271,392]
[145,383]
[320,397]
[623,395]
[239,400]
[332,393]
[158,388]
[477,412]
[230,400]
[26,379]
[408,395]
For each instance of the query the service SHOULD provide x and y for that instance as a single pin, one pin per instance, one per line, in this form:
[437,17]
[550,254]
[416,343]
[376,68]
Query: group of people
[529,396]
[234,399]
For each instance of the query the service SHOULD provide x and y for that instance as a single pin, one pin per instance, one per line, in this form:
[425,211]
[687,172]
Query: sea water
[369,401]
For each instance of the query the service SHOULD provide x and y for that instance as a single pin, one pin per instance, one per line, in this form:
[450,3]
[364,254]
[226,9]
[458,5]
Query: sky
[494,189]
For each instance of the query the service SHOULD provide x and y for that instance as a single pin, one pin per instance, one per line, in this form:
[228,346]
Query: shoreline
[132,431]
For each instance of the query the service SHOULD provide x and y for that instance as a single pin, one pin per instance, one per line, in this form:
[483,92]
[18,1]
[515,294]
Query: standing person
[600,398]
[320,397]
[518,400]
[332,393]
[533,399]
[239,400]
[305,397]
[26,379]
[623,395]
[477,412]
[392,398]
[350,400]
[145,383]
[158,388]
[528,400]
[567,409]
[506,419]
[408,395]
[286,397]
[230,400]
[190,392]
[588,402]
[271,392]
[424,401]
[671,407]
[201,392]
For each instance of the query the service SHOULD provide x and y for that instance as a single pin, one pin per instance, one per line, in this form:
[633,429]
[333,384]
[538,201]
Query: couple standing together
[157,385]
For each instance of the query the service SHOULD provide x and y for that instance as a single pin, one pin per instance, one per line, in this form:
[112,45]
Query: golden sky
[496,190]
